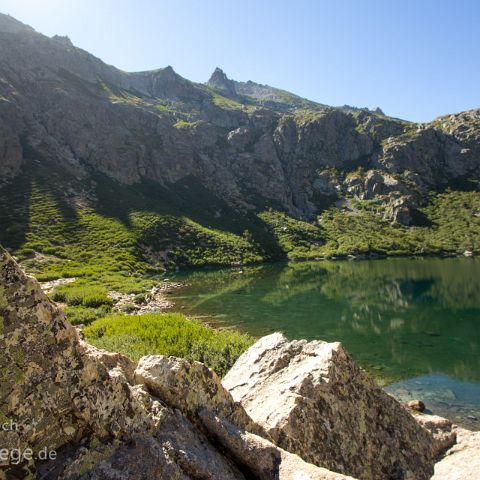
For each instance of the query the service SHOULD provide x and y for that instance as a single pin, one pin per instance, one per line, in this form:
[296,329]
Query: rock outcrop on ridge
[71,411]
[313,400]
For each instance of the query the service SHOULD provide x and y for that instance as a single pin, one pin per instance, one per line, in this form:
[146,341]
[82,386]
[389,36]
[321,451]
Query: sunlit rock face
[462,461]
[70,411]
[313,400]
[54,387]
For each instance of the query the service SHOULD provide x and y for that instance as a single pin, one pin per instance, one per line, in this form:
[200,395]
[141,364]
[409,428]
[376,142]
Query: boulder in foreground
[313,400]
[462,461]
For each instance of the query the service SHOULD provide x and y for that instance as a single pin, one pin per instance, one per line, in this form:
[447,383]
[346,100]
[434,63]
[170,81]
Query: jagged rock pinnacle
[221,82]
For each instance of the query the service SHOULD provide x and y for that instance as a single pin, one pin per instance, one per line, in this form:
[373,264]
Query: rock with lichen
[313,400]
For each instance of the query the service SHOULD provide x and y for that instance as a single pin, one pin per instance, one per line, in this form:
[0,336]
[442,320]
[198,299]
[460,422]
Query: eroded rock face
[191,387]
[314,401]
[67,398]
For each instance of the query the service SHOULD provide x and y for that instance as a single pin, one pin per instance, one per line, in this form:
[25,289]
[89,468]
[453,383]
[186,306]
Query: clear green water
[413,323]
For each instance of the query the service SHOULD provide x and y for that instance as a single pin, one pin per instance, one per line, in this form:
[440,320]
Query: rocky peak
[168,71]
[221,82]
[8,24]
[63,39]
[167,84]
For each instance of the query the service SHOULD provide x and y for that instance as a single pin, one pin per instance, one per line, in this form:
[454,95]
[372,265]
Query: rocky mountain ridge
[267,96]
[69,106]
[271,97]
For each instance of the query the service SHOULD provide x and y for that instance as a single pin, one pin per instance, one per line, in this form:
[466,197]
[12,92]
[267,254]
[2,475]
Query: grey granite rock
[314,401]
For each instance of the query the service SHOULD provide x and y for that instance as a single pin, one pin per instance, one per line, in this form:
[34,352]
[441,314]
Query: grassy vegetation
[184,124]
[89,296]
[296,101]
[297,239]
[451,225]
[130,235]
[224,102]
[123,239]
[115,250]
[281,100]
[455,219]
[118,95]
[364,231]
[81,315]
[114,237]
[303,117]
[168,334]
[190,243]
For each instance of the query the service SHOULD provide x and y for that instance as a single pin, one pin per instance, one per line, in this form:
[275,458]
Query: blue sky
[415,59]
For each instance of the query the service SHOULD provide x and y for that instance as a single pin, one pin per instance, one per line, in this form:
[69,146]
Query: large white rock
[313,400]
[462,461]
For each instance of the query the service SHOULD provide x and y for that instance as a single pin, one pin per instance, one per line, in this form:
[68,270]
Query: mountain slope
[222,173]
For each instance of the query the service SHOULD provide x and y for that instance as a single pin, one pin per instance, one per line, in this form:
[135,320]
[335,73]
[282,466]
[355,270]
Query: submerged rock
[416,405]
[314,401]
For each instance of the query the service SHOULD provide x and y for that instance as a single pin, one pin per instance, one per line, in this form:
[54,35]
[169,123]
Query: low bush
[89,296]
[83,316]
[168,334]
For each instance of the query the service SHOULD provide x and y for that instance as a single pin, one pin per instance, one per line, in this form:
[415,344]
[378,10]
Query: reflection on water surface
[400,318]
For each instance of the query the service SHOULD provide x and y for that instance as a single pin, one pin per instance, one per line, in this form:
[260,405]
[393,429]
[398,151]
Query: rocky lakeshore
[286,410]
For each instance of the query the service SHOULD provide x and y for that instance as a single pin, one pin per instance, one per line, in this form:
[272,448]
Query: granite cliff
[249,144]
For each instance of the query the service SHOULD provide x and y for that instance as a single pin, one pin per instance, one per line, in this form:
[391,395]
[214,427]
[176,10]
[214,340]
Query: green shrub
[89,296]
[83,316]
[140,298]
[168,334]
[128,308]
